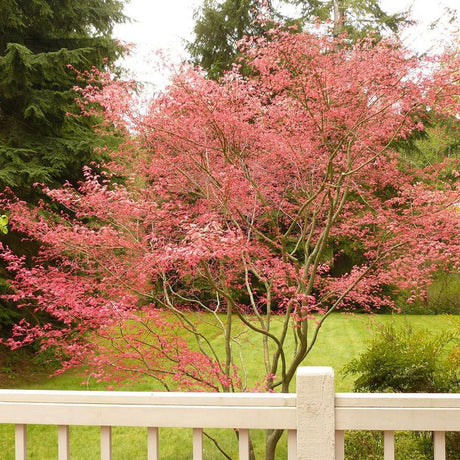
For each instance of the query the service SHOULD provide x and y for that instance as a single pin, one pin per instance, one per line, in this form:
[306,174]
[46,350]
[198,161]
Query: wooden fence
[315,417]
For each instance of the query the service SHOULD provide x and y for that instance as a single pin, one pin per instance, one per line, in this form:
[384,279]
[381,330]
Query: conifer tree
[39,40]
[218,28]
[357,18]
[220,24]
[43,46]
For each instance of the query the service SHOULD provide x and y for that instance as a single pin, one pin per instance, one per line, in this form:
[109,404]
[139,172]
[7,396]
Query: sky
[165,25]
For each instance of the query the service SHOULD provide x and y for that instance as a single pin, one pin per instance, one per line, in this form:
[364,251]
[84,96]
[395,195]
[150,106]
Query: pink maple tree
[241,197]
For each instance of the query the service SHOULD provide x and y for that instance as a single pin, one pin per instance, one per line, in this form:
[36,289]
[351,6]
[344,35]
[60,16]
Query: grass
[343,337]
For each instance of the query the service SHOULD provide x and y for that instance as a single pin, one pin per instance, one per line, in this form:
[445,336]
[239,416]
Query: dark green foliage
[363,445]
[368,445]
[440,140]
[357,18]
[218,27]
[401,359]
[8,312]
[38,40]
[220,24]
[39,142]
[443,297]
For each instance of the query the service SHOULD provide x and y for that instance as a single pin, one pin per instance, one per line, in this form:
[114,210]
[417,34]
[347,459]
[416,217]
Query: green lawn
[342,338]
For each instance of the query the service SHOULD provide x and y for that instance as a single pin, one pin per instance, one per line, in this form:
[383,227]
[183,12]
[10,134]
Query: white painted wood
[63,442]
[397,419]
[439,439]
[388,400]
[339,445]
[152,444]
[389,445]
[20,433]
[243,445]
[155,398]
[420,400]
[106,443]
[379,412]
[315,414]
[148,415]
[197,444]
[292,444]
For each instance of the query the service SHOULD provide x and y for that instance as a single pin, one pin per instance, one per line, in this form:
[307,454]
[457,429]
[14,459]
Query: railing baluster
[439,439]
[106,443]
[389,445]
[152,444]
[63,442]
[20,442]
[243,443]
[197,444]
[339,445]
[292,444]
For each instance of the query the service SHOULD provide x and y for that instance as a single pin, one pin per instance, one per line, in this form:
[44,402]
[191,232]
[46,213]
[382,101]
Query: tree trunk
[273,436]
[338,17]
[252,455]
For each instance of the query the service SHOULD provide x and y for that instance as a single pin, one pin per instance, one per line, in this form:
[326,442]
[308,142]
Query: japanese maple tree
[241,196]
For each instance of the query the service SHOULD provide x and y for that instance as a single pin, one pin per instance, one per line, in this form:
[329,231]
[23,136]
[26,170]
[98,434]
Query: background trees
[357,17]
[240,191]
[221,24]
[218,28]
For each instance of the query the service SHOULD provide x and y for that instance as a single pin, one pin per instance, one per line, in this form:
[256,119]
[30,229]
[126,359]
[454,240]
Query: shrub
[401,359]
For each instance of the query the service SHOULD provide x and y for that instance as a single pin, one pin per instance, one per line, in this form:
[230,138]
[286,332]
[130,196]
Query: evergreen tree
[355,17]
[218,28]
[220,24]
[39,142]
[38,40]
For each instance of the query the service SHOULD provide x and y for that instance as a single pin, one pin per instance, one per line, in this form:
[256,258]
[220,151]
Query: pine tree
[218,28]
[39,142]
[39,39]
[220,24]
[355,17]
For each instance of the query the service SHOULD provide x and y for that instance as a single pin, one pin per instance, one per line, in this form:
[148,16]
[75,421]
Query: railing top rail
[447,400]
[150,398]
[406,400]
[390,411]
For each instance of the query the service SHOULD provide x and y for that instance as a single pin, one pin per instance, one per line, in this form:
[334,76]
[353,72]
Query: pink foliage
[239,195]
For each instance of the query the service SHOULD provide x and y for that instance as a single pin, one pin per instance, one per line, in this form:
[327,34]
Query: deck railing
[315,417]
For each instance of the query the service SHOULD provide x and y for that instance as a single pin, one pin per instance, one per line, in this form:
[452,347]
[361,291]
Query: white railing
[315,417]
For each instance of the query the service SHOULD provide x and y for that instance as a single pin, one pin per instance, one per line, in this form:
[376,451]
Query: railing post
[315,413]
